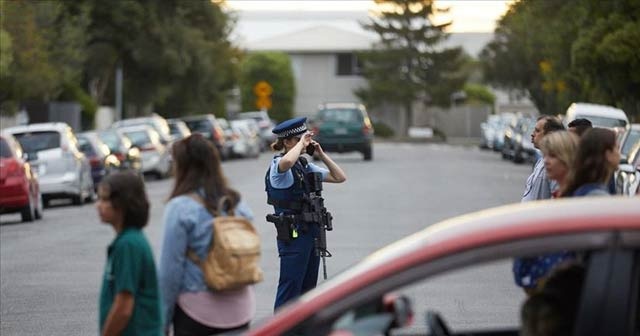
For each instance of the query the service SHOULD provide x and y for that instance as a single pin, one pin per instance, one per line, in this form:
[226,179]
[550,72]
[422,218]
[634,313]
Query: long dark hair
[197,165]
[591,164]
[127,193]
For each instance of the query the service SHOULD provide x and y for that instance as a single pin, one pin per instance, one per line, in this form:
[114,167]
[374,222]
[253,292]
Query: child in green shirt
[129,299]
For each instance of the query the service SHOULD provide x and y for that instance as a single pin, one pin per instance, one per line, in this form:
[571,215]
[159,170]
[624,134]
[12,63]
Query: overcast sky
[262,19]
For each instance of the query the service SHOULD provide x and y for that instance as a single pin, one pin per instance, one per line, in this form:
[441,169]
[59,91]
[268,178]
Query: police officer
[286,184]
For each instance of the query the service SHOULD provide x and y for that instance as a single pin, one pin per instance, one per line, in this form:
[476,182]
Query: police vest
[288,200]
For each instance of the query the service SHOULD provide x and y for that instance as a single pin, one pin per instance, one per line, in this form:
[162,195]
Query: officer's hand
[306,139]
[318,148]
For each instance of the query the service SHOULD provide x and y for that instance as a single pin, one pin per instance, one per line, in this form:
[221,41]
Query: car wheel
[517,157]
[40,207]
[28,212]
[92,195]
[77,199]
[368,153]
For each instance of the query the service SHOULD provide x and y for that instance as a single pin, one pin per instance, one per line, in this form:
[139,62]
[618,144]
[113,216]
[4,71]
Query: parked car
[449,278]
[524,151]
[488,130]
[627,177]
[628,139]
[249,140]
[101,160]
[344,127]
[178,129]
[513,134]
[266,126]
[599,115]
[122,147]
[156,121]
[19,186]
[63,170]
[208,126]
[231,137]
[155,155]
[506,119]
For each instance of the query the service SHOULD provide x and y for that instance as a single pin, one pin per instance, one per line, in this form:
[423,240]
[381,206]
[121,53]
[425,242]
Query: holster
[284,231]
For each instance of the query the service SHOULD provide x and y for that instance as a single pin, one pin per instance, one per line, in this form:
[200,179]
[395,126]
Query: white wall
[316,82]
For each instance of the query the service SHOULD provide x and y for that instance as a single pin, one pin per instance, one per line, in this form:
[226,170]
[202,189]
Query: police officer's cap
[291,127]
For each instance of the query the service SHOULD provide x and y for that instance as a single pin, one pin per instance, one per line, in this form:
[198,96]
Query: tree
[175,55]
[275,69]
[558,52]
[6,53]
[47,52]
[408,64]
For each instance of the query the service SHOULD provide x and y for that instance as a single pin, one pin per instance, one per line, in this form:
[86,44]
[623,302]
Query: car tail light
[366,129]
[218,134]
[14,169]
[148,148]
[316,130]
[119,156]
[95,162]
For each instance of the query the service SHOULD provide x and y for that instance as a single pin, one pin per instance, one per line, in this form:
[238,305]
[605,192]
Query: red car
[19,188]
[455,277]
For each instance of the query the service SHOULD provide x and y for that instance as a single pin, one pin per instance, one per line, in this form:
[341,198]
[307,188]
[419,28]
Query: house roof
[314,39]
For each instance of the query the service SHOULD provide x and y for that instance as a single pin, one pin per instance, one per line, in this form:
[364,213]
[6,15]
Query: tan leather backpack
[233,259]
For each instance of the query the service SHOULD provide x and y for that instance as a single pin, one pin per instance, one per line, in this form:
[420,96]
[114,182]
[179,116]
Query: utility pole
[119,92]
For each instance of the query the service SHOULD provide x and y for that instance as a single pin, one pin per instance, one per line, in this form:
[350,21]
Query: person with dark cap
[579,126]
[287,184]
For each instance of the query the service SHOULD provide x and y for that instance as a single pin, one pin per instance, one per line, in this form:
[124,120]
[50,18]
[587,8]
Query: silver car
[156,159]
[63,170]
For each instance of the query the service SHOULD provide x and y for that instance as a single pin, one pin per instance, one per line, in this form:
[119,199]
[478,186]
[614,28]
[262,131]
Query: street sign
[263,92]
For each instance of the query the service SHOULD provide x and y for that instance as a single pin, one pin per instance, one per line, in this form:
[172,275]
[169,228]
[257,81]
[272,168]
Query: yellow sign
[263,92]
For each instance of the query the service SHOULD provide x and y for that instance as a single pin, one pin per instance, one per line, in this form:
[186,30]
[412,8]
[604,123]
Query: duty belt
[291,205]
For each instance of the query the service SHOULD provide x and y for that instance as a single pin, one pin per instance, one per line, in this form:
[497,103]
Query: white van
[599,115]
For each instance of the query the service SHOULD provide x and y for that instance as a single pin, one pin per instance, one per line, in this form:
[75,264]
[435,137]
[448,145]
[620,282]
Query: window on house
[348,64]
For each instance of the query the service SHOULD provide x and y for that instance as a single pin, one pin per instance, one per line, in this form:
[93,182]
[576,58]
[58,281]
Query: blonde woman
[559,151]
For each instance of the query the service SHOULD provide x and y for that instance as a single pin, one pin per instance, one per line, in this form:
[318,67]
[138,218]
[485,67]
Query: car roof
[39,127]
[588,109]
[511,223]
[340,105]
[136,128]
[198,117]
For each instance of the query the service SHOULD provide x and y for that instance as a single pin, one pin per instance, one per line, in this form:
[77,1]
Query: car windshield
[85,146]
[5,151]
[38,141]
[606,122]
[340,115]
[632,138]
[199,125]
[138,138]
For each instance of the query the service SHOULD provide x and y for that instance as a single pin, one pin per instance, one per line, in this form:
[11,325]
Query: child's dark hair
[127,193]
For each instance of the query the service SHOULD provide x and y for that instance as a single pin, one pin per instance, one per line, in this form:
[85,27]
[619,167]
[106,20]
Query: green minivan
[344,127]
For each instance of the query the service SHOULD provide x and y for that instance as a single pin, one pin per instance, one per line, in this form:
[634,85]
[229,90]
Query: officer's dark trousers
[298,267]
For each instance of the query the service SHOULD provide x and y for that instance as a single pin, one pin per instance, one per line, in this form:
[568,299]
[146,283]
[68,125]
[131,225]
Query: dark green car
[344,127]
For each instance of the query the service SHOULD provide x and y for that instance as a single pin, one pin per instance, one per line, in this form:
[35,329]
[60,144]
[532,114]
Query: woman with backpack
[189,305]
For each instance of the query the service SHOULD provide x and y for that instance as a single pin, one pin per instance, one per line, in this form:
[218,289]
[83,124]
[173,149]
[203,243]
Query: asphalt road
[50,270]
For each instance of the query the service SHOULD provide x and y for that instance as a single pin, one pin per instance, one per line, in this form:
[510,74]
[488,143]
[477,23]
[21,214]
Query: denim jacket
[187,225]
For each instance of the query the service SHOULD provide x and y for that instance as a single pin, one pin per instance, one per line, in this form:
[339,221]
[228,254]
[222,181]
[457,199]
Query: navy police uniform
[285,191]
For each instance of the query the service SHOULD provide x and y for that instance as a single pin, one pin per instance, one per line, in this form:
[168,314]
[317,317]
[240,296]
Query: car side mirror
[400,307]
[627,168]
[623,160]
[29,156]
